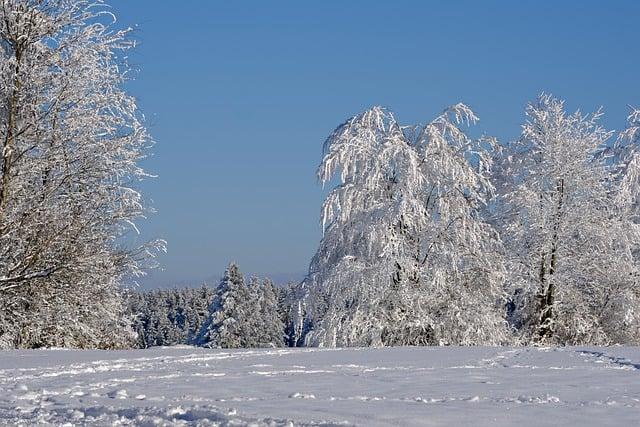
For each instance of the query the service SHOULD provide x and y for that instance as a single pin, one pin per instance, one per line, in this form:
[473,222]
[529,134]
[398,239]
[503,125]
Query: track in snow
[368,387]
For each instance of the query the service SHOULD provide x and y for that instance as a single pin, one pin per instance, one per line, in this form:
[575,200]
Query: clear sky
[241,95]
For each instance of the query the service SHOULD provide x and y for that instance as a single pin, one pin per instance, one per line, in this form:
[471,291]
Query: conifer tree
[224,328]
[272,329]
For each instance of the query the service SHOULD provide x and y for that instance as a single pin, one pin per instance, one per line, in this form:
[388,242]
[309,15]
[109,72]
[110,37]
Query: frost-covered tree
[626,155]
[405,258]
[197,311]
[70,142]
[271,330]
[252,322]
[227,323]
[243,315]
[291,304]
[570,230]
[168,317]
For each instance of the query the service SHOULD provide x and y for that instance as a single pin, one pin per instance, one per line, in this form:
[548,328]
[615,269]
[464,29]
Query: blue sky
[241,95]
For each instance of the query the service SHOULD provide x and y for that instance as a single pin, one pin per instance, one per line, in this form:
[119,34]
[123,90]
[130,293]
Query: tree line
[233,314]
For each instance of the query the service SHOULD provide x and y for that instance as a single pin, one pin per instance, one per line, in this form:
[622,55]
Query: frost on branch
[70,143]
[626,153]
[568,222]
[405,257]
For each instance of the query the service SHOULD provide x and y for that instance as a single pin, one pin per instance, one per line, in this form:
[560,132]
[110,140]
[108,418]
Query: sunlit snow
[369,387]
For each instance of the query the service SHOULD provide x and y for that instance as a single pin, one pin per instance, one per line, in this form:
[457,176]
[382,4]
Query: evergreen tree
[227,318]
[168,317]
[198,311]
[253,323]
[272,327]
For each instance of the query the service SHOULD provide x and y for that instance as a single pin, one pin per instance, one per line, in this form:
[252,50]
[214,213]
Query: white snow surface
[409,386]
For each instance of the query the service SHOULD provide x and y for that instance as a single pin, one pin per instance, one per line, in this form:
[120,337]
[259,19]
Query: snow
[405,258]
[407,386]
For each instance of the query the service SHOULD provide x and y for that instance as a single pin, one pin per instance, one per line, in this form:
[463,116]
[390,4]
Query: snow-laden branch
[70,148]
[404,253]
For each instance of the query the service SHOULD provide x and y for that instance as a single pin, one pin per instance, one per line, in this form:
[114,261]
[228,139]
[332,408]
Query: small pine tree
[224,327]
[252,323]
[198,311]
[272,332]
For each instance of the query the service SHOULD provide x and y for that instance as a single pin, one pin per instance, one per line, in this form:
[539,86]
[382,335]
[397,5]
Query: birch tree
[405,258]
[626,154]
[70,142]
[571,235]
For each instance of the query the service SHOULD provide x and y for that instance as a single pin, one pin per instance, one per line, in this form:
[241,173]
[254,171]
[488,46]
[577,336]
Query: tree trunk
[547,296]
[9,142]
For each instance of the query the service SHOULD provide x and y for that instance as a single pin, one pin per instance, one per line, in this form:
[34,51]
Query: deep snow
[368,387]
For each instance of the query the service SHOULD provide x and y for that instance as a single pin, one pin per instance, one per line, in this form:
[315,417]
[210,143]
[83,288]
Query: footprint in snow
[301,396]
[118,394]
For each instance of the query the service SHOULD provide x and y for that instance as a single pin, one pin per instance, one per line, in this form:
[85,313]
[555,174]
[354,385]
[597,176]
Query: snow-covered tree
[626,155]
[291,304]
[569,229]
[271,330]
[70,141]
[168,316]
[243,315]
[226,326]
[197,311]
[405,257]
[251,321]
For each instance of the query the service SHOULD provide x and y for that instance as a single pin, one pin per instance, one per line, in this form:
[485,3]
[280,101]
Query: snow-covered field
[367,387]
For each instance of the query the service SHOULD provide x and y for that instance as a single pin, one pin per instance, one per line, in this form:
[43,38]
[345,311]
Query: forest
[430,235]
